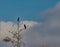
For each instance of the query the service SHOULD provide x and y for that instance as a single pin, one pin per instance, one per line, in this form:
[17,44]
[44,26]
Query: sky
[42,19]
[25,9]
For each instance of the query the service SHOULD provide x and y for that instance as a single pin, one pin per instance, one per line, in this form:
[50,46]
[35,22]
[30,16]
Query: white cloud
[52,18]
[5,27]
[51,24]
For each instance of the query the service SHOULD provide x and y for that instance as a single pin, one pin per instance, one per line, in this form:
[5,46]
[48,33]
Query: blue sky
[26,9]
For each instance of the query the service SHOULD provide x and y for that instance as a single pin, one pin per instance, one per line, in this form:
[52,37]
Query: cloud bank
[5,27]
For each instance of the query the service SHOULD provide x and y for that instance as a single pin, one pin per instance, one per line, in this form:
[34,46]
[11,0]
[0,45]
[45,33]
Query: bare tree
[17,36]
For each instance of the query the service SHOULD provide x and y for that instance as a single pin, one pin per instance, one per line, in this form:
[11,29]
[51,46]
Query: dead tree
[17,36]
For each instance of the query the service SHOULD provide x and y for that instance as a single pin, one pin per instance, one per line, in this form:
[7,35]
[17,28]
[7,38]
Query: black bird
[18,19]
[24,26]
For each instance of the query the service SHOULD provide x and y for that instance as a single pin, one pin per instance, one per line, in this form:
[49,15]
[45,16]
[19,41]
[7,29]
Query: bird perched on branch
[18,19]
[24,26]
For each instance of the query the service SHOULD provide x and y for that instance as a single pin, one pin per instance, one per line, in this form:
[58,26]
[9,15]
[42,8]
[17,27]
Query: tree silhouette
[17,36]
